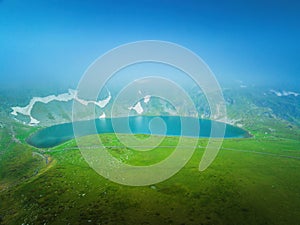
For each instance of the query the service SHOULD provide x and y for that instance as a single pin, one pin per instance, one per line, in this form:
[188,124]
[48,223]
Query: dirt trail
[13,135]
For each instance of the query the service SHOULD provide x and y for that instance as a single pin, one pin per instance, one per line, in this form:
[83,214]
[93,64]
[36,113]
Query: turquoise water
[171,126]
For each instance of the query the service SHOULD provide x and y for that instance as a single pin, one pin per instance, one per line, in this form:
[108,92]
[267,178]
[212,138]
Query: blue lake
[163,125]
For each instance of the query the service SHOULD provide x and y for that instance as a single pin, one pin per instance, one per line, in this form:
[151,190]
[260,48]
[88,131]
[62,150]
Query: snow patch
[102,116]
[138,108]
[147,98]
[101,103]
[65,97]
[284,93]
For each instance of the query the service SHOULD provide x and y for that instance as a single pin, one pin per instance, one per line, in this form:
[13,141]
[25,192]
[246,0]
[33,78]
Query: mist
[52,43]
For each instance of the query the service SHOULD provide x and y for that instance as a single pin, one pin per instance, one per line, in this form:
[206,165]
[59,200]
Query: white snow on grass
[101,103]
[102,116]
[285,93]
[138,108]
[65,97]
[147,98]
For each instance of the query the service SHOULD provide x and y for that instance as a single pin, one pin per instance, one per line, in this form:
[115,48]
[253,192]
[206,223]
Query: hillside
[252,181]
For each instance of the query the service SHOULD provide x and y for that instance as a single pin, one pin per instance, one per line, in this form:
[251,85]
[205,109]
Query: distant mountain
[275,111]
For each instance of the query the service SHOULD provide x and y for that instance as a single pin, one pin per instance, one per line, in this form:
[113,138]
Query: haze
[53,42]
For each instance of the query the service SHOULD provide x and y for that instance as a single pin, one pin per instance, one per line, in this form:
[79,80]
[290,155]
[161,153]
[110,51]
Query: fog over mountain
[53,42]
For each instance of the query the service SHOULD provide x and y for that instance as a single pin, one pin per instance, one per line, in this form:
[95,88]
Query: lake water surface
[163,125]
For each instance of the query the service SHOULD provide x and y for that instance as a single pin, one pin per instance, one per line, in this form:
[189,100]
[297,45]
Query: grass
[17,160]
[240,187]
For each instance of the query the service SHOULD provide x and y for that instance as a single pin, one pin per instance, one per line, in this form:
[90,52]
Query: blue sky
[54,41]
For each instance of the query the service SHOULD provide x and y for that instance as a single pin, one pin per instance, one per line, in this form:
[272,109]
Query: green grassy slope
[242,186]
[252,181]
[18,161]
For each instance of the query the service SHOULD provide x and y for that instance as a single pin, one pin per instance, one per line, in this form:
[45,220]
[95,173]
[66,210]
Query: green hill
[252,181]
